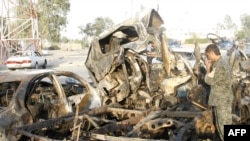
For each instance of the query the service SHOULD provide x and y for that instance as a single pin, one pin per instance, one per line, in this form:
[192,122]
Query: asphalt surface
[73,61]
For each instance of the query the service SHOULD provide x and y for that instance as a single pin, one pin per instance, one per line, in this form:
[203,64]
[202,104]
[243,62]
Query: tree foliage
[99,25]
[245,22]
[23,10]
[220,26]
[227,24]
[51,15]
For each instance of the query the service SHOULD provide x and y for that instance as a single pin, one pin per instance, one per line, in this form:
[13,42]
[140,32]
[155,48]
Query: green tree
[245,22]
[52,15]
[220,26]
[240,34]
[23,11]
[227,24]
[64,39]
[99,25]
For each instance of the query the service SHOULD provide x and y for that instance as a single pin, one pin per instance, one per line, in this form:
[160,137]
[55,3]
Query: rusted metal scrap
[145,121]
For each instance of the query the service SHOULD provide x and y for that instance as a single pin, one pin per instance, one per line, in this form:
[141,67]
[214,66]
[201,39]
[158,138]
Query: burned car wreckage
[30,96]
[161,101]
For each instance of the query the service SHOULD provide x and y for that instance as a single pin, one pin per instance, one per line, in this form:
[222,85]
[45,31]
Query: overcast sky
[177,14]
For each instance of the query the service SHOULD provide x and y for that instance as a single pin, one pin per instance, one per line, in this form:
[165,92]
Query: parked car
[26,59]
[225,44]
[174,43]
[29,96]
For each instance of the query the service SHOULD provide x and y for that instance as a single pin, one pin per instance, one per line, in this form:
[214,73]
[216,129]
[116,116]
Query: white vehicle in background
[186,53]
[26,59]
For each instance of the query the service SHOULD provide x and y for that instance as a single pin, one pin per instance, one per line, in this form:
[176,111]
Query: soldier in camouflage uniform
[218,76]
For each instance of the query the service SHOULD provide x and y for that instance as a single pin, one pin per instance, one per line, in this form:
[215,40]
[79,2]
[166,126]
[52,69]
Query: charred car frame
[162,101]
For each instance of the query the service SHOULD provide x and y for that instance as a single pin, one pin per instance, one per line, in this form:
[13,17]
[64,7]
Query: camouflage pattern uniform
[221,95]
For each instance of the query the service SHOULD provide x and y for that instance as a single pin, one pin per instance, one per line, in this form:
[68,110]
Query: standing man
[218,76]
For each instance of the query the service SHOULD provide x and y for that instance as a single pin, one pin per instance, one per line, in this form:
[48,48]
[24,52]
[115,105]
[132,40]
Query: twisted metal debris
[164,101]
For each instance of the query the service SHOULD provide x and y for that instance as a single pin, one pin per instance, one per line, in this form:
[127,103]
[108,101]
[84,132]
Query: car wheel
[36,66]
[45,64]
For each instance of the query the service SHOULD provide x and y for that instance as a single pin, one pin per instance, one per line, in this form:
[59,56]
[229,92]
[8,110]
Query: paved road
[73,61]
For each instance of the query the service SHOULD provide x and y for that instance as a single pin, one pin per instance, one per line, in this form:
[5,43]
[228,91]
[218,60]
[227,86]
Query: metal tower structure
[17,32]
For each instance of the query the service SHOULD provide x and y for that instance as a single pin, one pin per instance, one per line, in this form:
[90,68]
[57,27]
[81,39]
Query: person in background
[218,76]
[149,51]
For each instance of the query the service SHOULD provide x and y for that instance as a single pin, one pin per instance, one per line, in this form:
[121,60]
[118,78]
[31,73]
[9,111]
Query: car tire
[36,66]
[45,64]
